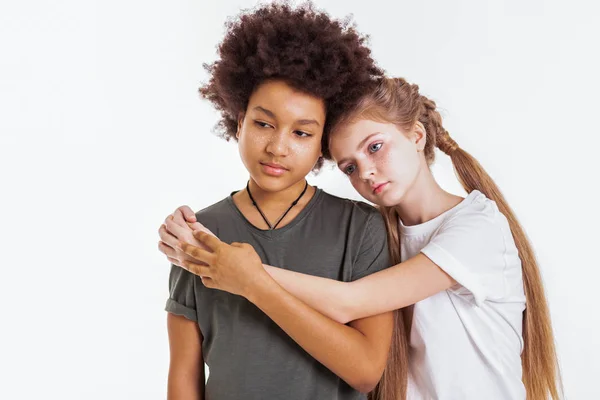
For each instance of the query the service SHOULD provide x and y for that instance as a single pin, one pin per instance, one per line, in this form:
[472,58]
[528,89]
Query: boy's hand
[235,268]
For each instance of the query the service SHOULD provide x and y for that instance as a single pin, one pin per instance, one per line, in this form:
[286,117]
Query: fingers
[197,226]
[202,271]
[175,229]
[167,237]
[167,250]
[208,240]
[197,269]
[179,219]
[197,253]
[173,261]
[187,213]
[246,246]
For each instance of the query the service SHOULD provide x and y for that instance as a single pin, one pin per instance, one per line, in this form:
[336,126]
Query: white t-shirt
[466,342]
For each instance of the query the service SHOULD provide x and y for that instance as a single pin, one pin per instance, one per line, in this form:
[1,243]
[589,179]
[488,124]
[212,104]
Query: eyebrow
[271,114]
[361,144]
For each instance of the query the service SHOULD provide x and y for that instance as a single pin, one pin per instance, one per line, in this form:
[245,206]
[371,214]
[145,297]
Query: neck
[425,200]
[285,197]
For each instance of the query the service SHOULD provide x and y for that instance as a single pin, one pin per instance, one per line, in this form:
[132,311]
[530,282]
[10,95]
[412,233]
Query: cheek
[251,140]
[386,161]
[404,165]
[358,184]
[305,148]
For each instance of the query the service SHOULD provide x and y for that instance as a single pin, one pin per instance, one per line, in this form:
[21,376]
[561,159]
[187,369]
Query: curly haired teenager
[281,73]
[466,276]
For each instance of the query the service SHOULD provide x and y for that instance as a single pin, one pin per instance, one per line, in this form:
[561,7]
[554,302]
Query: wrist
[269,269]
[262,285]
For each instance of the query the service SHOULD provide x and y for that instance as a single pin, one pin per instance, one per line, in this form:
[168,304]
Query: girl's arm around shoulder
[474,248]
[393,288]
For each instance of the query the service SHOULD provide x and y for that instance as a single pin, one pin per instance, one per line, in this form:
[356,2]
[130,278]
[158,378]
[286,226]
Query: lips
[378,187]
[274,165]
[273,169]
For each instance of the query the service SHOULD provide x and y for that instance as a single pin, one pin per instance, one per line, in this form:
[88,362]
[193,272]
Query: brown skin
[288,133]
[282,126]
[186,367]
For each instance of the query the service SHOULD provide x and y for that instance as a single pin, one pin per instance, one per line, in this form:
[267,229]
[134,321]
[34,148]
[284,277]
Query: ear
[239,127]
[420,136]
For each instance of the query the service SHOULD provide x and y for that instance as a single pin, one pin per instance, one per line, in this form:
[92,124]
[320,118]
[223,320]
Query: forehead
[344,141]
[287,102]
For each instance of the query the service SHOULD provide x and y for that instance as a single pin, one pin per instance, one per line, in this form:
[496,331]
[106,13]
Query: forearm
[330,297]
[391,289]
[343,349]
[186,364]
[183,385]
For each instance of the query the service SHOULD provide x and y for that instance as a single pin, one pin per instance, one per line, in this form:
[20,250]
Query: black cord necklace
[284,214]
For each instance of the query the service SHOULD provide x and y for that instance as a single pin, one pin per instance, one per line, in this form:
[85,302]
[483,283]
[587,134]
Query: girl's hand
[235,268]
[177,229]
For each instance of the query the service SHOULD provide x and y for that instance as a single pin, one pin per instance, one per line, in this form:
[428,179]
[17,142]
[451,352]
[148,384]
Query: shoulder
[364,222]
[217,208]
[355,210]
[477,215]
[475,246]
[478,225]
[215,213]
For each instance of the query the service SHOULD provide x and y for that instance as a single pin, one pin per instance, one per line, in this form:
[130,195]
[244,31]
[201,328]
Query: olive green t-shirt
[248,355]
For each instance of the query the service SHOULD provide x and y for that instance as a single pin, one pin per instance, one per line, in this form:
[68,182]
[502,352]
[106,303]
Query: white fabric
[466,342]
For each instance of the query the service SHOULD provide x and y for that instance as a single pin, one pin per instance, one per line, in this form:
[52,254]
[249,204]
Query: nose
[278,144]
[366,170]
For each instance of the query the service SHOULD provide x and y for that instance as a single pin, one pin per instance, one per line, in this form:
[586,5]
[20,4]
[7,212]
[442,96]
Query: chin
[380,201]
[393,199]
[387,198]
[273,184]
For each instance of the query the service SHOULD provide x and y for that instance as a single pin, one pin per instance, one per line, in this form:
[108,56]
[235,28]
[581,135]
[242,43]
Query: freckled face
[279,136]
[381,161]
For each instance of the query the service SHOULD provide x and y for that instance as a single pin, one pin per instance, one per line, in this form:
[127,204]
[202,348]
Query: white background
[102,134]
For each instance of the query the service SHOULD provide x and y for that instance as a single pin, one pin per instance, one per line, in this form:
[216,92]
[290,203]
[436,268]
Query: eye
[375,147]
[302,134]
[261,124]
[349,169]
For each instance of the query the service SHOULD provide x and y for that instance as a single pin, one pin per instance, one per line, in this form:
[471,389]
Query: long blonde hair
[395,100]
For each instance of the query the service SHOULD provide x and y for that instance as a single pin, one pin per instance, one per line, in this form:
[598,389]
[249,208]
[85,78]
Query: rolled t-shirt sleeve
[471,247]
[182,298]
[373,255]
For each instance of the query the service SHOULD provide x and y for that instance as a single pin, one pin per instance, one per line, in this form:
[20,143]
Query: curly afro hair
[314,53]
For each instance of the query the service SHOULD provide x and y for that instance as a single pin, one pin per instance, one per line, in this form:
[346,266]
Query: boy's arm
[356,353]
[186,367]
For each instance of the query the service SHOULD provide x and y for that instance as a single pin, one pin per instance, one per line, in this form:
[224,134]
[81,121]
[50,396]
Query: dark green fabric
[249,356]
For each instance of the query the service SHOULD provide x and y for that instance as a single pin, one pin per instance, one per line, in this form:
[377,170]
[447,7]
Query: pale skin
[280,126]
[417,196]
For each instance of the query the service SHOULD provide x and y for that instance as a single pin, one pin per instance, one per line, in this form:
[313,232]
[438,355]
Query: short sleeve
[471,246]
[182,297]
[373,252]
